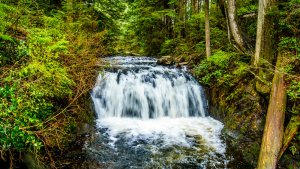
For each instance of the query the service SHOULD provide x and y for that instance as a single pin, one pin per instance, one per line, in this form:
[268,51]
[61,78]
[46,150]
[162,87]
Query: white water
[142,101]
[173,131]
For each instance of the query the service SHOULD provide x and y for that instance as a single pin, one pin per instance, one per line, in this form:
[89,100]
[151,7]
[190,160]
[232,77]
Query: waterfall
[148,93]
[144,108]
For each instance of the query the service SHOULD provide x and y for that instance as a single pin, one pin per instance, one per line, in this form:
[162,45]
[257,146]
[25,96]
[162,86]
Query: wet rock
[182,64]
[262,88]
[166,60]
[232,134]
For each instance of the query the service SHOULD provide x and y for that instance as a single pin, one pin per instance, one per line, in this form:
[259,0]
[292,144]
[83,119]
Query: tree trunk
[194,7]
[200,5]
[207,29]
[242,45]
[225,13]
[265,33]
[273,132]
[181,15]
[265,43]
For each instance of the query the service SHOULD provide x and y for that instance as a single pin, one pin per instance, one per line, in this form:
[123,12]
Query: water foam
[159,105]
[172,131]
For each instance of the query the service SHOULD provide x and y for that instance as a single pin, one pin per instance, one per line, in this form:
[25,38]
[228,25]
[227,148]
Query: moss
[251,153]
[242,109]
[235,101]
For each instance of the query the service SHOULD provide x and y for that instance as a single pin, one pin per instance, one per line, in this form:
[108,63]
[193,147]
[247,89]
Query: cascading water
[150,116]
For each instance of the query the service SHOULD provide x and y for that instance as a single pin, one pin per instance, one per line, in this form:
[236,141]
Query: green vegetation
[48,55]
[170,27]
[49,52]
[239,87]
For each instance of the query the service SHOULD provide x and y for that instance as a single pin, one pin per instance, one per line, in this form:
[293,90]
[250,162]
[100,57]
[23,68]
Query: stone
[165,60]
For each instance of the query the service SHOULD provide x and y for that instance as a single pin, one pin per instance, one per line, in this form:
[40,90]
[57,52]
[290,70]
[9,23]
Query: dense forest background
[49,52]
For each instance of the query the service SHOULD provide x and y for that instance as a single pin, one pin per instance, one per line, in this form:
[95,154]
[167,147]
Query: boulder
[165,60]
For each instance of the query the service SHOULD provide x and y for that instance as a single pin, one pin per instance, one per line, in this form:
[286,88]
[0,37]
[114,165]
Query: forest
[245,52]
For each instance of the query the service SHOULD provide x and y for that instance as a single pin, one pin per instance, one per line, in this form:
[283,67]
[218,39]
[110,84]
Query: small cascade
[148,93]
[150,116]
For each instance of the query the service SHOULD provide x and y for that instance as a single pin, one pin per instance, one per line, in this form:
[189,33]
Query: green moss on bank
[234,100]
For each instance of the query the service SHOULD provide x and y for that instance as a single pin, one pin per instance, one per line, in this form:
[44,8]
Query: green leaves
[289,43]
[18,110]
[29,91]
[294,90]
[221,68]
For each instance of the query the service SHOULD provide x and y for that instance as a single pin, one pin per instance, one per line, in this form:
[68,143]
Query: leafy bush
[168,47]
[28,91]
[221,68]
[19,112]
[37,93]
[294,90]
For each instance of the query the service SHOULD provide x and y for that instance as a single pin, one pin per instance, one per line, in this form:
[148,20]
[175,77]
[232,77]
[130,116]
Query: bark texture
[207,29]
[265,43]
[273,132]
[195,6]
[265,32]
[237,35]
[181,12]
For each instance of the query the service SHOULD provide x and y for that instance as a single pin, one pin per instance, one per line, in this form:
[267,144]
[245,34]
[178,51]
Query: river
[151,116]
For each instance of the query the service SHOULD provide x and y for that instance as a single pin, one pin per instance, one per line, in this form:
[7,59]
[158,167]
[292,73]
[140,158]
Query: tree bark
[207,29]
[273,132]
[265,44]
[181,15]
[194,11]
[265,33]
[235,30]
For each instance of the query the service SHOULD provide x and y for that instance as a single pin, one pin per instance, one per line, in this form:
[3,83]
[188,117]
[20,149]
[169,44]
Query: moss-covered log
[273,132]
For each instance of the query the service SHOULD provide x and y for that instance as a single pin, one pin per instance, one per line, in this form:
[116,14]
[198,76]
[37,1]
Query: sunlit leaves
[28,90]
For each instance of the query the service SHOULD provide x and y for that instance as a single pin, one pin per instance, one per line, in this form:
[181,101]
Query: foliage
[222,68]
[18,111]
[289,44]
[27,92]
[49,49]
[181,28]
[48,53]
[294,90]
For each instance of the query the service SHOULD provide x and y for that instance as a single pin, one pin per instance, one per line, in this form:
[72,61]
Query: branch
[248,15]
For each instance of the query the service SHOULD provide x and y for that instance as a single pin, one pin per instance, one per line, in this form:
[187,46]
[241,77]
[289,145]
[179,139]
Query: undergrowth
[48,63]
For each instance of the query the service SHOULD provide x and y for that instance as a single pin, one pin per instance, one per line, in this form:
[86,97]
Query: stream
[151,116]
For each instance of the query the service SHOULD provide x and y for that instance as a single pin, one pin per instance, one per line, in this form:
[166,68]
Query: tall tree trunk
[200,5]
[265,43]
[194,6]
[223,8]
[265,33]
[273,132]
[241,41]
[207,29]
[181,15]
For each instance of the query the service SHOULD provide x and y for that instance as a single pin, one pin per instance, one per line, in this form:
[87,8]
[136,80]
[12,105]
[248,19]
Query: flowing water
[150,116]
